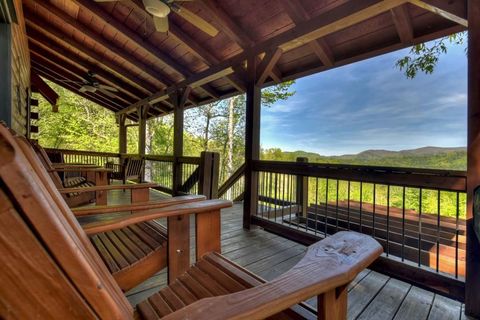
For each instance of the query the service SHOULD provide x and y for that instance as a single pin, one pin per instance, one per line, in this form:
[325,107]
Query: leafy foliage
[424,57]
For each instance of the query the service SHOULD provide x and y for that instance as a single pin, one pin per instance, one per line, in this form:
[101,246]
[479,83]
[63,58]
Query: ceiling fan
[90,84]
[160,9]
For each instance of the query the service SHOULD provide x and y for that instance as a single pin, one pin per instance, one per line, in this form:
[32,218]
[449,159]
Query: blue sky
[372,105]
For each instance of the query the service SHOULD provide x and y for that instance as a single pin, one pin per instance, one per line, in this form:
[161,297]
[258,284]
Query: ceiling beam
[46,47]
[72,71]
[167,61]
[355,13]
[112,67]
[441,12]
[97,38]
[194,47]
[60,75]
[338,18]
[44,89]
[266,66]
[75,89]
[228,26]
[403,24]
[299,14]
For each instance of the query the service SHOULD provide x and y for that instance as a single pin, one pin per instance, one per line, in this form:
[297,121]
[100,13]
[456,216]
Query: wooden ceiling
[292,38]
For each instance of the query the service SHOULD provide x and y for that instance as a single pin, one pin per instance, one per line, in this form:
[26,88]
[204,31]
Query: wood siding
[20,80]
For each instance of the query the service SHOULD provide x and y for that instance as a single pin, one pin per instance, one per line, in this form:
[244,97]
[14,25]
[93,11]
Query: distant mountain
[454,158]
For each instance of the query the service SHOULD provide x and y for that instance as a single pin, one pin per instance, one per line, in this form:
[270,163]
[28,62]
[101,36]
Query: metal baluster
[348,205]
[336,207]
[316,205]
[403,224]
[457,214]
[438,230]
[420,228]
[361,201]
[388,220]
[374,208]
[326,208]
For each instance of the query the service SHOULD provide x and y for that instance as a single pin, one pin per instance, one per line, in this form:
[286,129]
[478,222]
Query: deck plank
[417,305]
[444,309]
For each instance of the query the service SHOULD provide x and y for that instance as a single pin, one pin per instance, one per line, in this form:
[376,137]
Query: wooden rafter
[309,30]
[441,12]
[334,20]
[75,89]
[230,27]
[103,16]
[298,14]
[266,66]
[98,39]
[67,79]
[112,67]
[44,89]
[46,48]
[72,71]
[195,48]
[403,24]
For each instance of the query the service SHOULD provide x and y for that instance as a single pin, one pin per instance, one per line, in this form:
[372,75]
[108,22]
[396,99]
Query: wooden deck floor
[371,296]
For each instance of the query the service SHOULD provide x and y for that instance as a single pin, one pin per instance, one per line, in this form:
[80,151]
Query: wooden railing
[234,187]
[417,215]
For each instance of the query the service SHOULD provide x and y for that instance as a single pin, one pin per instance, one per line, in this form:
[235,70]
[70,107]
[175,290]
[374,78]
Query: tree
[424,57]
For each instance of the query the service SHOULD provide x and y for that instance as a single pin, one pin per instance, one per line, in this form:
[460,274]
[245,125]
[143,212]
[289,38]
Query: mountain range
[454,158]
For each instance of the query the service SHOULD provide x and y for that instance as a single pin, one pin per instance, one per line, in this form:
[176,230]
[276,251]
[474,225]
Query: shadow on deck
[371,295]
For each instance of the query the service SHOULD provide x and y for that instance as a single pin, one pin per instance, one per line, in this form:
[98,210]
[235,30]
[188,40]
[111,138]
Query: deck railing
[234,187]
[417,215]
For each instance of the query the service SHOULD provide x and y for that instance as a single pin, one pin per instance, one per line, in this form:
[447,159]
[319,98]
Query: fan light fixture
[156,8]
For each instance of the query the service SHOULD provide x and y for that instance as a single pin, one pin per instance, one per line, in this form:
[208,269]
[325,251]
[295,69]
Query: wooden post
[302,191]
[122,134]
[142,128]
[209,172]
[178,99]
[6,72]
[472,277]
[252,141]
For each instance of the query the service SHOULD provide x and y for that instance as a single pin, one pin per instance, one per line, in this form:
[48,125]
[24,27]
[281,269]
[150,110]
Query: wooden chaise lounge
[132,254]
[50,269]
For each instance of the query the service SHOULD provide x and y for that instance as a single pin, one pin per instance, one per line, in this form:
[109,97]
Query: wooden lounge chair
[132,254]
[130,169]
[93,188]
[50,270]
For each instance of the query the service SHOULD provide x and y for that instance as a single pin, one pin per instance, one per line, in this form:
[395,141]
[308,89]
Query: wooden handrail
[231,180]
[448,180]
[84,152]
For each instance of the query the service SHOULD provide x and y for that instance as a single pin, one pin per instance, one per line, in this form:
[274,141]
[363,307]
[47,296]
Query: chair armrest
[84,211]
[83,169]
[72,165]
[327,265]
[130,186]
[206,206]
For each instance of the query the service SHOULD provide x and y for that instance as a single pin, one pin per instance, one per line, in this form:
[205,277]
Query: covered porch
[430,268]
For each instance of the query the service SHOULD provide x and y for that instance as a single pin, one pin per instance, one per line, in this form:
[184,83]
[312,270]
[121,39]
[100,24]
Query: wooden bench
[51,270]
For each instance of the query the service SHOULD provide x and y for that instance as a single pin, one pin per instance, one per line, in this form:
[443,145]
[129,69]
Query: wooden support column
[472,281]
[302,191]
[252,141]
[6,72]
[142,128]
[209,172]
[122,134]
[178,99]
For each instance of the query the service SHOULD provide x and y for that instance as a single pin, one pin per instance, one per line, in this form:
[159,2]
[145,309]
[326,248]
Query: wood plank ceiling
[292,38]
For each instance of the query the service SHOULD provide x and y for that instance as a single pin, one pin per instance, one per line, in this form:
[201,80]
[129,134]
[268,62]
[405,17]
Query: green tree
[424,57]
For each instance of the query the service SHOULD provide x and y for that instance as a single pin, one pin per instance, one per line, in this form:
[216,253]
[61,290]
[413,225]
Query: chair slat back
[45,161]
[134,167]
[52,226]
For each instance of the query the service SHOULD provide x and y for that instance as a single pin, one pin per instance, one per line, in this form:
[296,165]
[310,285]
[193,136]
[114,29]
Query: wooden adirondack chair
[50,269]
[132,254]
[94,188]
[130,169]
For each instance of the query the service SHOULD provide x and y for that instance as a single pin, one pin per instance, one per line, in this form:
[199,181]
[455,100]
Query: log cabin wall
[15,84]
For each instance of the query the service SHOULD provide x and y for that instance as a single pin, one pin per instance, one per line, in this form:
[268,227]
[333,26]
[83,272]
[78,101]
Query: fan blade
[161,24]
[88,88]
[197,21]
[104,87]
[107,93]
